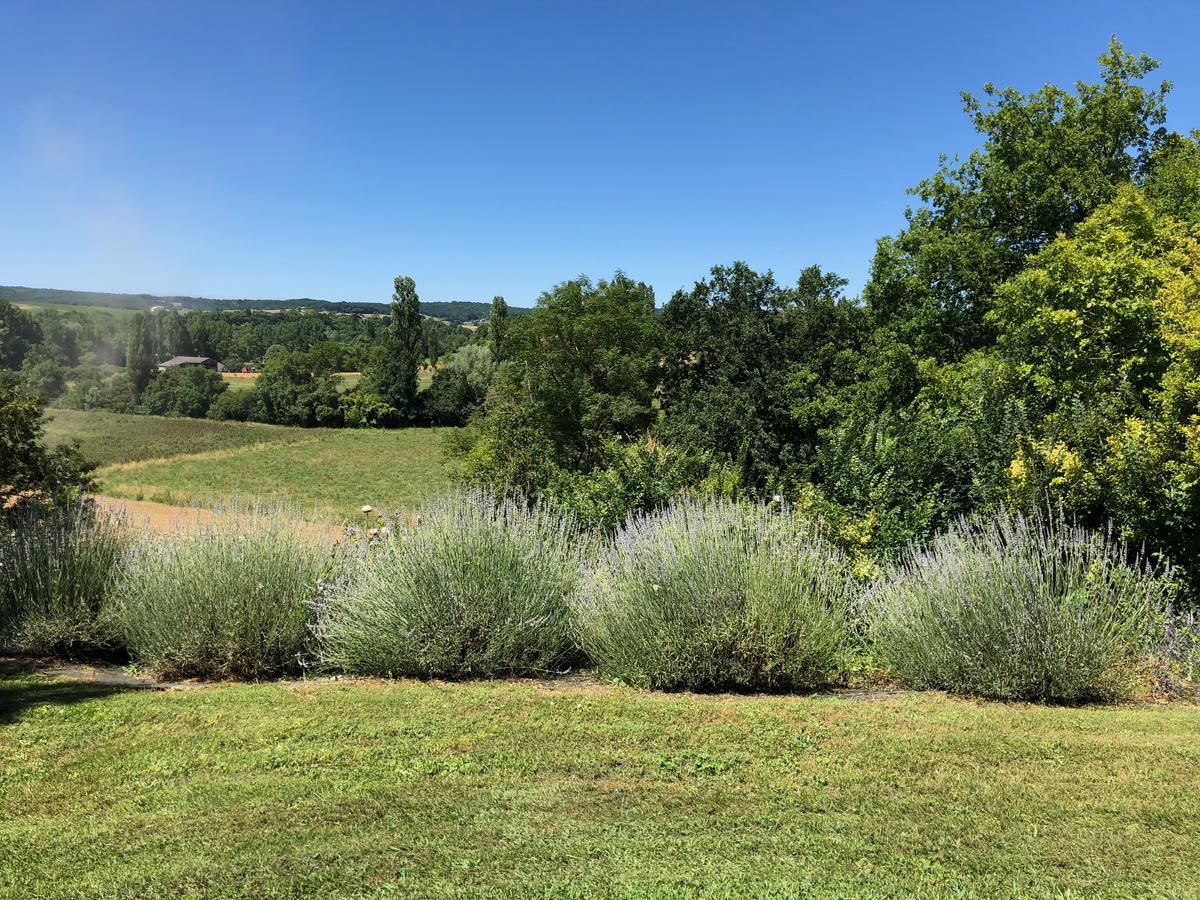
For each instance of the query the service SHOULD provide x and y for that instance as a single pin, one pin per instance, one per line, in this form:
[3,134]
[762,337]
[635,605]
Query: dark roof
[185,360]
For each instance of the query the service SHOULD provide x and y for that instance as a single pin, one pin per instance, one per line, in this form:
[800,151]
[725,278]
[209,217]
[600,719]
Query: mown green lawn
[324,472]
[516,789]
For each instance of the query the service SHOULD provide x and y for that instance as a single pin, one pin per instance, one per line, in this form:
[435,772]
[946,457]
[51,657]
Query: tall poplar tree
[395,377]
[498,325]
[139,353]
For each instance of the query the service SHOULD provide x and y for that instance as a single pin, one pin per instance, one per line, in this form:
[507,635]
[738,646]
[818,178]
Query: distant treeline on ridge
[456,311]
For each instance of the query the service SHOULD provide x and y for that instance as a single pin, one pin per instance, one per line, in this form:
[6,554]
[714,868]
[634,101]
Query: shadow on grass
[21,690]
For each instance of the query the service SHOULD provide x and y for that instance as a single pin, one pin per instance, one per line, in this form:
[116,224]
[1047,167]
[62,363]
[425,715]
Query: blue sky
[255,149]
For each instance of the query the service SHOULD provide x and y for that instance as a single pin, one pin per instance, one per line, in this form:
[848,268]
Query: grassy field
[516,789]
[110,438]
[115,312]
[239,382]
[327,472]
[236,381]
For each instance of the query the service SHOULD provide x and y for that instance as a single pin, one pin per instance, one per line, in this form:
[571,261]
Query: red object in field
[245,371]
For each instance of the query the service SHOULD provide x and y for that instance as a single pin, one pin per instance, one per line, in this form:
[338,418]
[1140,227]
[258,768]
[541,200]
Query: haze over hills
[457,311]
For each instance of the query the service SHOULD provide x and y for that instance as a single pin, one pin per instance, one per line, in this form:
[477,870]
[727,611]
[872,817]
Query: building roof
[186,360]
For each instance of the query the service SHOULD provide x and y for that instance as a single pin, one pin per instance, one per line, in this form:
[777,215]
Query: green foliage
[1049,159]
[578,371]
[460,386]
[498,326]
[363,408]
[473,587]
[717,595]
[182,391]
[454,311]
[57,569]
[393,372]
[751,370]
[18,332]
[296,389]
[43,377]
[1102,331]
[236,406]
[31,474]
[173,336]
[637,475]
[1173,182]
[92,389]
[140,353]
[228,600]
[1022,343]
[1021,609]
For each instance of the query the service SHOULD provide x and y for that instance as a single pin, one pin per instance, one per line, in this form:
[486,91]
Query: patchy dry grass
[244,381]
[509,788]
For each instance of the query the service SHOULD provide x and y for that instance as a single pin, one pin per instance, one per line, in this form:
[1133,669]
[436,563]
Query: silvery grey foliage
[708,595]
[1017,607]
[469,585]
[230,599]
[57,568]
[1181,650]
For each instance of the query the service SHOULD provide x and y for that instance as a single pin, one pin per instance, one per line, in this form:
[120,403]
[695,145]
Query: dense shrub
[460,385]
[715,595]
[1021,608]
[57,568]
[472,588]
[362,408]
[230,600]
[236,406]
[182,392]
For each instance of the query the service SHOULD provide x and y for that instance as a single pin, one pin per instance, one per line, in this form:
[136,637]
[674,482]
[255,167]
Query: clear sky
[257,149]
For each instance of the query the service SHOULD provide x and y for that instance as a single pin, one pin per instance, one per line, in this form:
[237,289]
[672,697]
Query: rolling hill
[457,311]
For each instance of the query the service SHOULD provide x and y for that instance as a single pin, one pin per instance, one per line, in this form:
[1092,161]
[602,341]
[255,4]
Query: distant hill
[457,311]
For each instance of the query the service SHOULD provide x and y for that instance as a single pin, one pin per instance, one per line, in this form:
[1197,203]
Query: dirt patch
[88,673]
[162,518]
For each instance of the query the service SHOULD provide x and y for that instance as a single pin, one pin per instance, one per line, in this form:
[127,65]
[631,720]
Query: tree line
[1031,336]
[88,359]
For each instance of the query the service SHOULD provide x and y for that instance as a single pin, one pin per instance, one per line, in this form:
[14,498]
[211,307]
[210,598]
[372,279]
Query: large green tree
[297,389]
[498,326]
[580,371]
[139,352]
[18,333]
[1048,160]
[927,428]
[394,372]
[1102,334]
[750,369]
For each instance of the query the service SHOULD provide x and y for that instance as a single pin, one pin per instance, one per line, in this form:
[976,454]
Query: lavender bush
[714,595]
[57,568]
[227,600]
[470,586]
[1021,608]
[1181,650]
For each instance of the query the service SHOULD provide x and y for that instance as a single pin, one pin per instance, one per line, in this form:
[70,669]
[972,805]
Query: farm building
[187,362]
